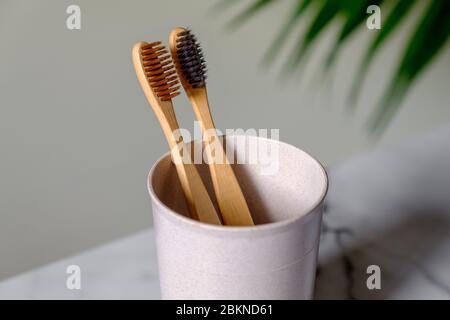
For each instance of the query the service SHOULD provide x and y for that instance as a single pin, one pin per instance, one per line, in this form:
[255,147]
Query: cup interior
[279,181]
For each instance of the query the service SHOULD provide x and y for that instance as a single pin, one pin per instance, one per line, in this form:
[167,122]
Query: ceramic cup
[275,259]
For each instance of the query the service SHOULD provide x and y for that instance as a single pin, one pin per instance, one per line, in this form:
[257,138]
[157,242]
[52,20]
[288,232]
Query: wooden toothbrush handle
[197,197]
[199,202]
[229,195]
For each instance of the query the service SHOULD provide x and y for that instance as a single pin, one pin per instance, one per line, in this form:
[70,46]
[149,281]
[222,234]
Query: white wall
[77,137]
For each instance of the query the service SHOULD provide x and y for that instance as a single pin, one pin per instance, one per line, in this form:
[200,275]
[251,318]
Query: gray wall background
[77,137]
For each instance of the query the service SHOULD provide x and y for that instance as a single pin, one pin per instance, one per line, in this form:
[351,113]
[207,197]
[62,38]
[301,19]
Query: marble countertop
[389,208]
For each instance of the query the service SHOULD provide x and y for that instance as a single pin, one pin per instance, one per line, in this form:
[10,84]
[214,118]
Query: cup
[275,259]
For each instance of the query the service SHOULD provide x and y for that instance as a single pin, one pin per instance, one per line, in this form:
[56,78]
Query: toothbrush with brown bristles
[158,79]
[191,68]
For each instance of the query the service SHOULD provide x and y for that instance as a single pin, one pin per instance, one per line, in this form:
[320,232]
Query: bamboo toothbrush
[158,80]
[191,68]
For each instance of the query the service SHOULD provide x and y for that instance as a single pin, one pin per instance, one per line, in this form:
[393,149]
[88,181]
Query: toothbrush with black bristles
[191,68]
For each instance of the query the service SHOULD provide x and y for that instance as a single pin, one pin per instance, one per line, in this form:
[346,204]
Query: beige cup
[276,259]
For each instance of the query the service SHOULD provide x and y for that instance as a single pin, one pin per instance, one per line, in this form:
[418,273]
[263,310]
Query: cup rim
[232,229]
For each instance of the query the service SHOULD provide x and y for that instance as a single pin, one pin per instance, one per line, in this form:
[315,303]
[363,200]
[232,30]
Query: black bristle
[190,58]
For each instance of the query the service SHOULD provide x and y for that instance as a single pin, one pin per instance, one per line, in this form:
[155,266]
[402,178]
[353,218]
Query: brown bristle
[159,70]
[190,59]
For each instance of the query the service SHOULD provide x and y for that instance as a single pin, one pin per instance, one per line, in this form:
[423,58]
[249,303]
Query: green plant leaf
[251,10]
[325,15]
[429,37]
[355,15]
[397,15]
[300,7]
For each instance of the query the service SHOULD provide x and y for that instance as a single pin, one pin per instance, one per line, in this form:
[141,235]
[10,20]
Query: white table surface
[390,208]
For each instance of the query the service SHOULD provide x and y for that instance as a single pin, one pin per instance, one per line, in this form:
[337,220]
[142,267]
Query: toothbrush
[156,74]
[191,69]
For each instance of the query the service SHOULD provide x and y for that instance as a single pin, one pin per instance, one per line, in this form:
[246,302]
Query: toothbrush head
[159,70]
[188,56]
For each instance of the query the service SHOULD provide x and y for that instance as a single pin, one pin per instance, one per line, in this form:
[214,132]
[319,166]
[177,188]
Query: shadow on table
[401,251]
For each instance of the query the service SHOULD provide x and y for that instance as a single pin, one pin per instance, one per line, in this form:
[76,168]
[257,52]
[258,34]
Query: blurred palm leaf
[355,15]
[429,36]
[249,11]
[327,12]
[397,15]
